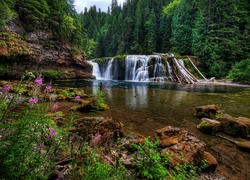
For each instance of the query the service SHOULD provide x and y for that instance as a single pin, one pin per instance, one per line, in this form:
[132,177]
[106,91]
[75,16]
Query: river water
[146,106]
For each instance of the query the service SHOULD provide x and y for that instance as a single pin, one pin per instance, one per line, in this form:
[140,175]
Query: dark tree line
[217,31]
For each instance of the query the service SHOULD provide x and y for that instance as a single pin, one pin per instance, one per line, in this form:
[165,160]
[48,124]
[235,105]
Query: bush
[28,140]
[52,74]
[240,71]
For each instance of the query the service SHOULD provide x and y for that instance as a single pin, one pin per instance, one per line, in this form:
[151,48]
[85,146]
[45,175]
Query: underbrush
[31,143]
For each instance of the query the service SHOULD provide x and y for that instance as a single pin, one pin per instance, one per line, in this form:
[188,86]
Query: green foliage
[69,93]
[150,163]
[95,165]
[171,7]
[240,71]
[100,97]
[52,74]
[67,27]
[28,140]
[5,14]
[34,13]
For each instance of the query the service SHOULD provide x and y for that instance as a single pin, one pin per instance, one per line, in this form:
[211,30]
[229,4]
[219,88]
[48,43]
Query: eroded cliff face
[22,51]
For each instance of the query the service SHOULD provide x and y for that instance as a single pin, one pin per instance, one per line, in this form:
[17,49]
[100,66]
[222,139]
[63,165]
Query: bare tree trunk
[197,68]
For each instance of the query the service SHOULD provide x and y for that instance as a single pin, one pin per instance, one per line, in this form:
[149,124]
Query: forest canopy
[216,31]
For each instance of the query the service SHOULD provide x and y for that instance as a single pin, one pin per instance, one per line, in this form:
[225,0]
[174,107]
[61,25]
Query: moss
[52,74]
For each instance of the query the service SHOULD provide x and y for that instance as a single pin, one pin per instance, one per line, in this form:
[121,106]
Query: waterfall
[96,70]
[170,72]
[143,68]
[107,75]
[159,69]
[136,68]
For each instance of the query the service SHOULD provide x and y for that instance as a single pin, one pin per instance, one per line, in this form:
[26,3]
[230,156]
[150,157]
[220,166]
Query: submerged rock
[207,111]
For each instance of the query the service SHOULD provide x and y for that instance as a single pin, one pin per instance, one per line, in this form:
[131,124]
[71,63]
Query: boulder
[211,161]
[181,145]
[209,126]
[207,111]
[238,127]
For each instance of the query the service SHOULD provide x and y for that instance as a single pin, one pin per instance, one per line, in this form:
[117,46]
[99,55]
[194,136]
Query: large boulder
[238,127]
[181,145]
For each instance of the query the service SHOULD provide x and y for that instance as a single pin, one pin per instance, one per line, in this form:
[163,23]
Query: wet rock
[181,145]
[238,127]
[245,145]
[211,161]
[209,126]
[85,127]
[207,111]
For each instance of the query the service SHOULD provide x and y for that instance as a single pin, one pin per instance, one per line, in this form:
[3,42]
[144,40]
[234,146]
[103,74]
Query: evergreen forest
[216,31]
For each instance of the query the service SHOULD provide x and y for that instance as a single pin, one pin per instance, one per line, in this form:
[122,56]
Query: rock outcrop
[37,51]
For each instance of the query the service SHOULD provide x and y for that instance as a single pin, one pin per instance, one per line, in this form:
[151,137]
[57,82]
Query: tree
[5,14]
[33,13]
[151,28]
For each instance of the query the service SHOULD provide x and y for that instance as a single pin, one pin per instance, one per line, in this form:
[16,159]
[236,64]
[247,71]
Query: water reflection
[137,97]
[158,104]
[199,87]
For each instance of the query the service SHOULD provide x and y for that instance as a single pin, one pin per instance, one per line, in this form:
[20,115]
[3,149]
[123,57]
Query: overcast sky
[103,4]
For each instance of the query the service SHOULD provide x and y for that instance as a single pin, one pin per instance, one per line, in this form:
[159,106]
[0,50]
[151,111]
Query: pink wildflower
[38,81]
[53,97]
[52,131]
[40,147]
[55,106]
[78,97]
[6,89]
[96,138]
[33,100]
[107,159]
[47,89]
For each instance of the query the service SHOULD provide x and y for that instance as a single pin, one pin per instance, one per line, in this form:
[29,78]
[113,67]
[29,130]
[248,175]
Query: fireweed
[28,141]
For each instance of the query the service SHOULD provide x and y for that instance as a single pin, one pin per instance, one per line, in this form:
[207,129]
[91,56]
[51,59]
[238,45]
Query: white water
[107,73]
[96,70]
[137,67]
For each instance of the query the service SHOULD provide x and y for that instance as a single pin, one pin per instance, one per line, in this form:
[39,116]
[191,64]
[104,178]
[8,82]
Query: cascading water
[139,67]
[159,70]
[136,68]
[96,70]
[107,75]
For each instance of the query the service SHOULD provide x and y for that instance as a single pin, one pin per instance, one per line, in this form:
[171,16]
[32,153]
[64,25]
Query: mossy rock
[209,126]
[208,111]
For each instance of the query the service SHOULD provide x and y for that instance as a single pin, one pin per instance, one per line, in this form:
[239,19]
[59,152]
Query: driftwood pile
[179,73]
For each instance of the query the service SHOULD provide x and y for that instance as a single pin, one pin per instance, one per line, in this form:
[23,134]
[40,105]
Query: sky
[103,4]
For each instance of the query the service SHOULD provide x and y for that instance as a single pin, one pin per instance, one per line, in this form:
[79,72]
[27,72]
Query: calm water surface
[146,106]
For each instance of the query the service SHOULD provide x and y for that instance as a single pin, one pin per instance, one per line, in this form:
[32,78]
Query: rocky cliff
[36,51]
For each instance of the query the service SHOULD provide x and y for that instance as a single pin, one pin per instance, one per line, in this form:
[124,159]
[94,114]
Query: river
[146,106]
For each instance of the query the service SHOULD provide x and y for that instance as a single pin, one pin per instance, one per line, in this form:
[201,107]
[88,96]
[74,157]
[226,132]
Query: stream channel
[144,107]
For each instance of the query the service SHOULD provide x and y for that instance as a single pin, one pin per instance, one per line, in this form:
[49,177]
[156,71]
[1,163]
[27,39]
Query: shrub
[152,164]
[52,74]
[240,71]
[28,140]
